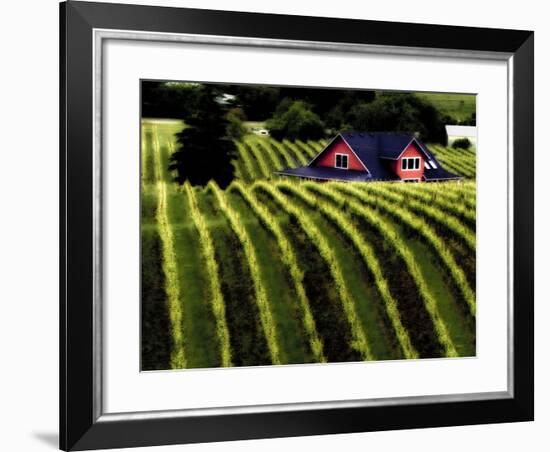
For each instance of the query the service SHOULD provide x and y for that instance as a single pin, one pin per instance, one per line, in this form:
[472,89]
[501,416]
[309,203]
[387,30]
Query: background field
[273,271]
[457,106]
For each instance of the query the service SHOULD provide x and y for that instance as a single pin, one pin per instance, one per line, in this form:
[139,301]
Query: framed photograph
[284,225]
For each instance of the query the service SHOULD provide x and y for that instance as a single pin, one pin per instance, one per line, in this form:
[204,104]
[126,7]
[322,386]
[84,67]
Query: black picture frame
[80,426]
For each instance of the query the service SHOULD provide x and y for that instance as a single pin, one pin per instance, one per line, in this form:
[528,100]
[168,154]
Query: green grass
[460,324]
[457,106]
[291,333]
[200,343]
[248,342]
[368,304]
[278,271]
[325,304]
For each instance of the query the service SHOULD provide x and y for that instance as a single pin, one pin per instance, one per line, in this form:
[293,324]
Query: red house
[373,156]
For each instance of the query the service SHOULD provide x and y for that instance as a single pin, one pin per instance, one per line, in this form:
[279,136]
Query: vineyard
[276,271]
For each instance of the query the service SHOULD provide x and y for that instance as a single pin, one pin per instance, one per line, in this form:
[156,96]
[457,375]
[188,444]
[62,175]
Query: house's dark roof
[325,173]
[382,144]
[439,174]
[373,149]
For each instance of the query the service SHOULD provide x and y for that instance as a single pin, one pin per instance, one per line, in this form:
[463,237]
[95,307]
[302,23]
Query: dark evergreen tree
[204,150]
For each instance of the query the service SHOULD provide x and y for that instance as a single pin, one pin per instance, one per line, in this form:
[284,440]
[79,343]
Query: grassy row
[454,166]
[441,199]
[212,271]
[393,237]
[317,237]
[467,159]
[263,146]
[418,224]
[464,193]
[266,316]
[456,160]
[309,151]
[265,169]
[246,160]
[279,149]
[449,222]
[365,251]
[290,260]
[259,157]
[300,156]
[172,283]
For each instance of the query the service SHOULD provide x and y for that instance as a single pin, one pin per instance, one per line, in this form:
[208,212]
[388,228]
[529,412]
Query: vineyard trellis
[291,262]
[445,220]
[306,237]
[173,288]
[360,341]
[218,304]
[367,253]
[266,316]
[418,224]
[393,238]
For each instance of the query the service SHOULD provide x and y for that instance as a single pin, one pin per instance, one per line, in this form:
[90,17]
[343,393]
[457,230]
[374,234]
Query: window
[410,163]
[341,161]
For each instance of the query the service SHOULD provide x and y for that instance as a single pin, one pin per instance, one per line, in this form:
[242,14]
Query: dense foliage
[462,143]
[400,112]
[295,120]
[169,100]
[318,111]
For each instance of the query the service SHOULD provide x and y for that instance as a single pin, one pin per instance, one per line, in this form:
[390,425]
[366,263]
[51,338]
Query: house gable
[327,157]
[411,151]
[373,156]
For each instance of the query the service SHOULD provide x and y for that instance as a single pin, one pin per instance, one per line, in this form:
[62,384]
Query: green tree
[235,127]
[462,143]
[204,150]
[168,99]
[400,112]
[258,102]
[295,120]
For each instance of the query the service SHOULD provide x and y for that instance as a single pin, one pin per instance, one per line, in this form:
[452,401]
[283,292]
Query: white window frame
[336,159]
[411,169]
[414,179]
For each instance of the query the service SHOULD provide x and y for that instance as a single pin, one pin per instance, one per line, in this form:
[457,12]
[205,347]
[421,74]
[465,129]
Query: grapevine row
[290,261]
[269,151]
[360,341]
[299,156]
[266,316]
[212,271]
[306,149]
[463,165]
[365,250]
[447,221]
[418,224]
[280,149]
[172,286]
[259,156]
[393,237]
[245,158]
[447,203]
[468,161]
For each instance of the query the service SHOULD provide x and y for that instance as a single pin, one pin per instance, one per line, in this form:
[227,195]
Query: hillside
[272,271]
[457,106]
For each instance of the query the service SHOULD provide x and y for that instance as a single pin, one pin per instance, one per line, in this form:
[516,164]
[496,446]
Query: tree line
[216,114]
